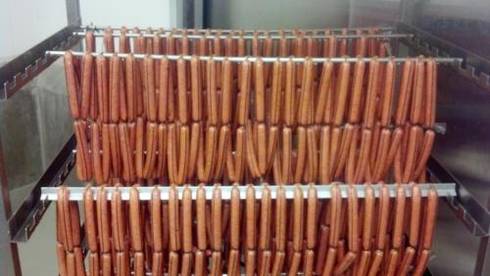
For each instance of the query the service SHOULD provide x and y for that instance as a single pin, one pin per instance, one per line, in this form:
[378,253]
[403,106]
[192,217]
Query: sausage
[323,92]
[306,92]
[335,212]
[251,220]
[151,149]
[183,155]
[376,263]
[115,150]
[259,90]
[403,98]
[357,86]
[312,154]
[216,215]
[207,154]
[381,155]
[173,220]
[324,164]
[108,40]
[370,107]
[150,89]
[106,153]
[165,91]
[430,219]
[261,145]
[265,219]
[301,155]
[363,161]
[86,84]
[182,91]
[212,98]
[134,220]
[387,96]
[126,153]
[102,89]
[196,86]
[289,94]
[131,87]
[383,217]
[156,219]
[90,219]
[369,204]
[417,97]
[235,218]
[84,167]
[96,156]
[298,213]
[186,221]
[431,88]
[103,221]
[251,155]
[342,90]
[408,173]
[329,261]
[226,97]
[287,144]
[272,146]
[118,223]
[114,88]
[275,99]
[244,92]
[399,217]
[89,42]
[392,262]
[425,153]
[394,147]
[140,138]
[353,220]
[223,144]
[72,85]
[343,151]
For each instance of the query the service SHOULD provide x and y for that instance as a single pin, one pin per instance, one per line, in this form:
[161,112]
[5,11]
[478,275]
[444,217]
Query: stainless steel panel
[374,12]
[271,14]
[34,124]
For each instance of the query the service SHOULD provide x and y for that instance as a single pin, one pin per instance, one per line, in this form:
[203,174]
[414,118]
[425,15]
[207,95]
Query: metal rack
[20,71]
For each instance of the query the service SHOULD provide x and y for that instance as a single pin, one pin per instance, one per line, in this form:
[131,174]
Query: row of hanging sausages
[115,89]
[147,152]
[350,236]
[316,44]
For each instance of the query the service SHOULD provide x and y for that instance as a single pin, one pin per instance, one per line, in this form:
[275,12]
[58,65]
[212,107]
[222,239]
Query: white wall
[24,23]
[141,13]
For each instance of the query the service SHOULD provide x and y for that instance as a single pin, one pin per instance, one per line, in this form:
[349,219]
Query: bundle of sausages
[189,121]
[299,43]
[338,236]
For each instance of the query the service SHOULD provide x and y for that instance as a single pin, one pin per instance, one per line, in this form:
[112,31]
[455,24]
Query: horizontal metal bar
[253,59]
[324,191]
[274,37]
[24,221]
[473,215]
[158,29]
[19,71]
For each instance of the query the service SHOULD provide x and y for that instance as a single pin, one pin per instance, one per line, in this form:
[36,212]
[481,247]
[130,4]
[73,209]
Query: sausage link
[182,91]
[216,215]
[383,217]
[305,98]
[275,100]
[324,159]
[357,86]
[425,153]
[370,107]
[244,92]
[151,149]
[196,110]
[417,97]
[164,91]
[289,94]
[324,95]
[266,216]
[405,87]
[173,220]
[86,84]
[301,155]
[226,97]
[399,217]
[186,220]
[408,173]
[342,91]
[114,88]
[72,85]
[387,97]
[235,218]
[430,219]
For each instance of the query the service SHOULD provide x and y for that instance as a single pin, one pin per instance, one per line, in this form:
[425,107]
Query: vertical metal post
[9,254]
[73,13]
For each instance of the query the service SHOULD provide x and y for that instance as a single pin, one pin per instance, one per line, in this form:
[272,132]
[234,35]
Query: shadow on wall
[237,14]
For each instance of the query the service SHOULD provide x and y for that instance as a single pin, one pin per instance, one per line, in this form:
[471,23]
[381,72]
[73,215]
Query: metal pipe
[254,59]
[382,29]
[324,191]
[274,37]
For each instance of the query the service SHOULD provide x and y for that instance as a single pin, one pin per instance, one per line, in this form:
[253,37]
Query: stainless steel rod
[323,191]
[253,59]
[157,29]
[274,37]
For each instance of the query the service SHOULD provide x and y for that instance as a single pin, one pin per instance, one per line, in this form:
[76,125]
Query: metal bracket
[474,216]
[473,66]
[24,221]
[19,71]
